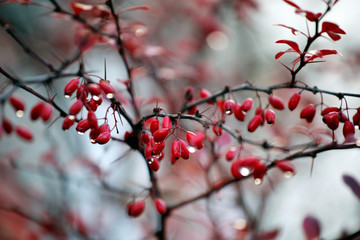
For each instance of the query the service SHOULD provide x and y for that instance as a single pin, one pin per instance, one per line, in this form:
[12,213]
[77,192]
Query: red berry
[331,120]
[356,118]
[105,128]
[24,132]
[175,151]
[193,109]
[205,94]
[216,128]
[103,138]
[259,172]
[349,131]
[294,101]
[230,154]
[184,151]
[254,123]
[71,87]
[260,111]
[160,206]
[145,137]
[18,104]
[166,123]
[285,166]
[276,102]
[92,119]
[239,113]
[235,169]
[94,89]
[247,104]
[229,106]
[36,111]
[329,110]
[82,93]
[107,88]
[46,112]
[189,93]
[154,125]
[94,134]
[68,122]
[308,113]
[154,164]
[135,209]
[156,148]
[270,116]
[82,126]
[7,125]
[76,107]
[195,140]
[161,134]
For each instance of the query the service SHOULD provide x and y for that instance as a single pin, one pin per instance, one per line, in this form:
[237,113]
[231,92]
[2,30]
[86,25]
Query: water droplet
[110,95]
[192,149]
[244,171]
[217,40]
[80,133]
[258,181]
[240,224]
[67,96]
[71,117]
[19,113]
[95,97]
[296,32]
[288,174]
[93,140]
[228,112]
[150,161]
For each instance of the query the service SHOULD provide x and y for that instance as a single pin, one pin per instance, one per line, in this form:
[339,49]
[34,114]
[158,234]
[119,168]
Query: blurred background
[81,190]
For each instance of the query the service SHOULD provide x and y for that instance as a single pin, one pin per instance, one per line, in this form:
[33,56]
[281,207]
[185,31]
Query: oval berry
[247,104]
[175,151]
[276,102]
[294,101]
[46,112]
[285,166]
[229,106]
[24,133]
[329,110]
[71,87]
[349,131]
[195,140]
[166,123]
[82,126]
[8,128]
[254,123]
[107,88]
[259,172]
[160,206]
[36,110]
[94,89]
[68,122]
[154,125]
[161,134]
[76,107]
[92,119]
[239,113]
[332,120]
[356,118]
[135,209]
[103,138]
[230,154]
[270,116]
[18,104]
[308,113]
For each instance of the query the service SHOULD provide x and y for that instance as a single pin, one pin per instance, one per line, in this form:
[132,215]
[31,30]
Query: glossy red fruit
[154,125]
[184,151]
[82,126]
[154,164]
[94,89]
[94,134]
[259,172]
[193,109]
[68,122]
[235,169]
[76,107]
[254,123]
[332,120]
[82,93]
[157,148]
[46,112]
[135,209]
[239,113]
[108,89]
[308,113]
[205,94]
[36,110]
[161,134]
[160,206]
[285,166]
[105,127]
[276,102]
[71,87]
[231,154]
[270,116]
[18,104]
[229,106]
[166,123]
[24,133]
[247,104]
[103,138]
[329,110]
[294,101]
[175,151]
[216,128]
[145,137]
[356,118]
[7,126]
[195,140]
[92,119]
[260,111]
[349,131]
